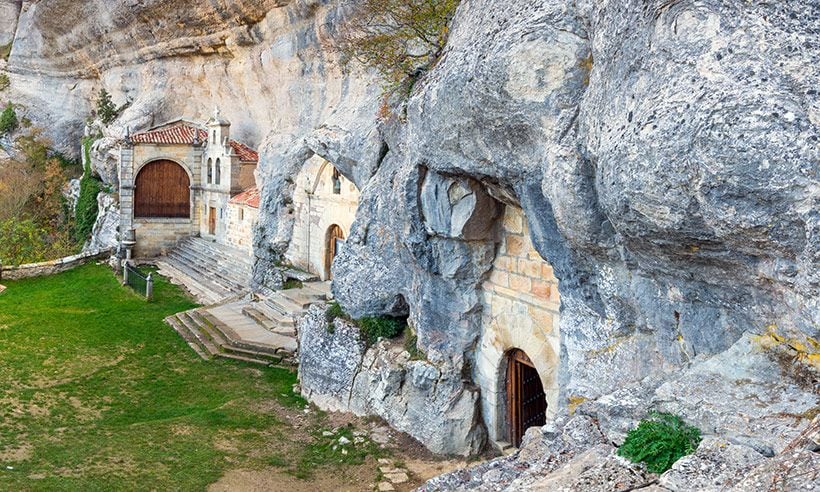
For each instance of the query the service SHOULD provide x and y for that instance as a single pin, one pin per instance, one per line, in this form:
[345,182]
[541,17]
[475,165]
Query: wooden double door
[526,400]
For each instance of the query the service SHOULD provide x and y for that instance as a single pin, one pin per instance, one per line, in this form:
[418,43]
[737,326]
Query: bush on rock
[659,441]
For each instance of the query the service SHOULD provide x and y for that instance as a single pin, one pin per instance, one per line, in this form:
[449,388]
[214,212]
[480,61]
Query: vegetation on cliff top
[401,39]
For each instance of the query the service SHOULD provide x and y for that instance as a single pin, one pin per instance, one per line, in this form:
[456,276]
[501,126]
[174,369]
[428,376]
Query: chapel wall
[316,209]
[521,305]
[241,220]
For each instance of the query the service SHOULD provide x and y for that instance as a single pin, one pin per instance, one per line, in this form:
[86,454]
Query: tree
[19,183]
[106,109]
[401,39]
[8,119]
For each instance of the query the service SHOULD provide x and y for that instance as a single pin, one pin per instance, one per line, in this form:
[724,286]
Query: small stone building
[177,179]
[325,205]
[517,355]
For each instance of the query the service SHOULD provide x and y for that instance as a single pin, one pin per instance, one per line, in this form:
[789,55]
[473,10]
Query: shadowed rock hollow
[664,154]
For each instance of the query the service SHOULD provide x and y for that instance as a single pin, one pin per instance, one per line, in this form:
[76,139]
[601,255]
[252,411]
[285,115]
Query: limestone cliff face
[665,154]
[262,62]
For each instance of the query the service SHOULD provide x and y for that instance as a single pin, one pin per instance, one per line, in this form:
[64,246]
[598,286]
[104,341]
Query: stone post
[125,273]
[149,287]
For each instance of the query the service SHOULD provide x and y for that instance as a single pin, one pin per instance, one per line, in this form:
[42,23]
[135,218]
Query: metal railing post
[149,287]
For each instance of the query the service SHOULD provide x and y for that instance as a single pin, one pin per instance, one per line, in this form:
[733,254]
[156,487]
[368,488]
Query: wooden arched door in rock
[162,189]
[335,241]
[526,401]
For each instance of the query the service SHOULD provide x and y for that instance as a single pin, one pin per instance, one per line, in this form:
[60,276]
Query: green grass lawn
[97,393]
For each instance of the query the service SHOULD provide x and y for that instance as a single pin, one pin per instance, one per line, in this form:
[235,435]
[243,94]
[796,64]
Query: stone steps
[208,341]
[230,258]
[210,271]
[203,294]
[218,266]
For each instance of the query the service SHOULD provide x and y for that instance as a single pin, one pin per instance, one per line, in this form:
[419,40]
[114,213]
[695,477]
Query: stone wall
[155,237]
[217,199]
[520,310]
[240,223]
[51,267]
[316,209]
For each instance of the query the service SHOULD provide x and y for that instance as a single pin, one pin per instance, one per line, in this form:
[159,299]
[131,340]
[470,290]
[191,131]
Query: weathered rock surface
[430,402]
[9,11]
[105,233]
[71,192]
[665,155]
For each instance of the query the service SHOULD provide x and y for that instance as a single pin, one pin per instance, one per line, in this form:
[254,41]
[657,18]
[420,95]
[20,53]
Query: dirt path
[399,458]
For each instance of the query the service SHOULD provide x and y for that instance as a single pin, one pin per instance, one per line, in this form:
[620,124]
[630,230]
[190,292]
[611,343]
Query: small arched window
[337,182]
[213,137]
[218,179]
[210,171]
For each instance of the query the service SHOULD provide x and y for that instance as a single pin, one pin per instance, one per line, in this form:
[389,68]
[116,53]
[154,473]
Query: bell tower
[219,131]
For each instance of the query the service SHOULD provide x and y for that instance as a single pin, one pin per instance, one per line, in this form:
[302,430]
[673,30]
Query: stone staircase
[277,311]
[235,324]
[210,271]
[260,330]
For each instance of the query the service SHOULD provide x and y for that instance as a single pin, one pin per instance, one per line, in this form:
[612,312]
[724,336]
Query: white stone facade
[320,201]
[521,311]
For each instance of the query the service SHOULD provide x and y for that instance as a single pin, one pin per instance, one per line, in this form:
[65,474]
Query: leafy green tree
[401,39]
[21,241]
[106,109]
[8,119]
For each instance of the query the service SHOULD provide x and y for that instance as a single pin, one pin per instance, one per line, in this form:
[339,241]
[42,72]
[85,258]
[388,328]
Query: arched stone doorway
[334,243]
[526,400]
[162,190]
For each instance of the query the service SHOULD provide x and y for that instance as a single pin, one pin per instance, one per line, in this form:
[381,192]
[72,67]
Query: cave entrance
[335,242]
[526,400]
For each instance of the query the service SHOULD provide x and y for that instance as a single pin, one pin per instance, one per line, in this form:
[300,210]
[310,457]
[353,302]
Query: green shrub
[373,328]
[334,310]
[292,283]
[5,50]
[106,109]
[8,119]
[659,441]
[86,212]
[21,241]
[411,345]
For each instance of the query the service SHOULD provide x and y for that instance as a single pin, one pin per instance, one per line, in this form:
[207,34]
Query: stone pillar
[127,177]
[196,187]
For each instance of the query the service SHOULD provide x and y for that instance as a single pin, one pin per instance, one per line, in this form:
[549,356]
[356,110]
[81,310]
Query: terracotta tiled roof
[178,133]
[249,197]
[245,153]
[182,132]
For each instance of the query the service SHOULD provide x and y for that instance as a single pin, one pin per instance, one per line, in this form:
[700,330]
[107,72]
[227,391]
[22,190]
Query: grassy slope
[97,393]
